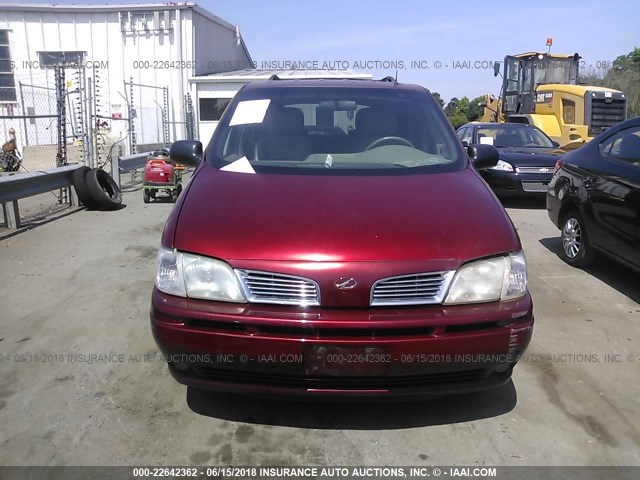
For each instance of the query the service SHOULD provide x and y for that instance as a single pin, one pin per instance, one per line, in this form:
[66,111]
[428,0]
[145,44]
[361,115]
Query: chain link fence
[31,128]
[67,114]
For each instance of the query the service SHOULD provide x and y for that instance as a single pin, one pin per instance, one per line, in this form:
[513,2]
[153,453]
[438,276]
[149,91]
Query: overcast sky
[464,34]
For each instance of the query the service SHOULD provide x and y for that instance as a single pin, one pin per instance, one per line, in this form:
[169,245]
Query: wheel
[174,195]
[146,196]
[152,193]
[576,249]
[80,185]
[103,189]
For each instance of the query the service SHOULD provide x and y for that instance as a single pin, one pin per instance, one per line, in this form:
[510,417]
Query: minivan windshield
[323,130]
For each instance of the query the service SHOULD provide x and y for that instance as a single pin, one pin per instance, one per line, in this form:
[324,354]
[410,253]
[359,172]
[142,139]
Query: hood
[309,218]
[531,157]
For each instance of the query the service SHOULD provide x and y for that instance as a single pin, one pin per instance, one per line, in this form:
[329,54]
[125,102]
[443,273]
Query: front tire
[576,249]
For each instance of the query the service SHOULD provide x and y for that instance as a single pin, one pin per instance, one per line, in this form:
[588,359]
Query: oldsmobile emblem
[345,283]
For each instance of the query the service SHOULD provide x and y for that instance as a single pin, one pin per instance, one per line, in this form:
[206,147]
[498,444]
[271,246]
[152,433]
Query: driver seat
[371,125]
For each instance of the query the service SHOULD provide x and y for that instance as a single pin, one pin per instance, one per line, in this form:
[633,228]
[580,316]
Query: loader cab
[524,73]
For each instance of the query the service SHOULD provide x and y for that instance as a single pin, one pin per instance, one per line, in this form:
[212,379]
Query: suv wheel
[576,249]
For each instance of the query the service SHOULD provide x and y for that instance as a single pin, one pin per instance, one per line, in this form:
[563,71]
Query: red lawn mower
[162,175]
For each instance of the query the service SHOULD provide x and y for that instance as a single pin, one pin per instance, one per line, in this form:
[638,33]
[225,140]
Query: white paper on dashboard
[250,111]
[241,165]
[486,140]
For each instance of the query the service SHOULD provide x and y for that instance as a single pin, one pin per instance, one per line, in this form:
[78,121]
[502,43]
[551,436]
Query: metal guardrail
[23,185]
[127,163]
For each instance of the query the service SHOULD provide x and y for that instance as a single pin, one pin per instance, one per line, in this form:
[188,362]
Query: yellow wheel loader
[542,89]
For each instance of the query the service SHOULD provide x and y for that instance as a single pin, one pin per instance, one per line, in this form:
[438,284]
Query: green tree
[436,96]
[625,76]
[455,111]
[475,110]
[461,111]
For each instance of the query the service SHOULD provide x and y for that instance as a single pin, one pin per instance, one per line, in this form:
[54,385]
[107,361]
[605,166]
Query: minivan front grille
[415,289]
[606,112]
[278,288]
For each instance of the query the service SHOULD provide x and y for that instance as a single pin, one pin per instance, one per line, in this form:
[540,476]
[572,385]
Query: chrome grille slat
[272,279]
[412,294]
[278,288]
[411,287]
[541,170]
[414,281]
[281,288]
[404,290]
[414,289]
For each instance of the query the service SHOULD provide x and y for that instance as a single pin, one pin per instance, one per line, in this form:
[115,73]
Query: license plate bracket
[338,360]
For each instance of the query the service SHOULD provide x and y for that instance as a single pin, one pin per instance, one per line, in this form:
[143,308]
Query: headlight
[192,276]
[169,277]
[501,278]
[502,165]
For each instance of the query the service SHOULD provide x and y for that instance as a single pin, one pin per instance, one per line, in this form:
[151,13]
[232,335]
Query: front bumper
[381,352]
[517,184]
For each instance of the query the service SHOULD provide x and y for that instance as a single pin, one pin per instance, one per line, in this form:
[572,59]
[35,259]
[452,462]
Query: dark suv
[337,240]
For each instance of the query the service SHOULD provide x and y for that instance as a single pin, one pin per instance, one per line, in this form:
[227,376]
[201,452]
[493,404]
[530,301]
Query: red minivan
[337,240]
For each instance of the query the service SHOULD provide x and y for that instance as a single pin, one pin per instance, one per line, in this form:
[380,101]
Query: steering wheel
[400,140]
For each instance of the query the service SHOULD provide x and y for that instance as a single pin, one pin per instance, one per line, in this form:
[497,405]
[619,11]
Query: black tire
[146,196]
[174,195]
[80,185]
[576,249]
[103,189]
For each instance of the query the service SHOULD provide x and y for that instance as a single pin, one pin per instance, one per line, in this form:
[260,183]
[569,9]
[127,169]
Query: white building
[156,45]
[152,73]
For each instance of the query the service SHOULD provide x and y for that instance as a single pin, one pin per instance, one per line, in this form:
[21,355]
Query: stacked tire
[96,189]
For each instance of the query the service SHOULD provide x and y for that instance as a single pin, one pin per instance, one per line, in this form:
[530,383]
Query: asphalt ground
[80,286]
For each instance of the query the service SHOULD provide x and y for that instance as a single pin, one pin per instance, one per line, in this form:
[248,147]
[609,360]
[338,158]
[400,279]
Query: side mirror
[496,69]
[186,152]
[482,156]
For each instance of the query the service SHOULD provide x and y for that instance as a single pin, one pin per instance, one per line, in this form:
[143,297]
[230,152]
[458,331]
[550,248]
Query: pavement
[81,382]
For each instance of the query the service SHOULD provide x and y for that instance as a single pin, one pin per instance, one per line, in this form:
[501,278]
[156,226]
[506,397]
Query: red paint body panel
[236,216]
[204,332]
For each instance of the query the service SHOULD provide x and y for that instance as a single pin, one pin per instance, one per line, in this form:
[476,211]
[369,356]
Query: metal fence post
[132,126]
[62,120]
[165,116]
[115,169]
[24,112]
[11,215]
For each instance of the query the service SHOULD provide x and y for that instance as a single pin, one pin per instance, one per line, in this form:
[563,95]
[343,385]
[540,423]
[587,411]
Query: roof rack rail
[388,78]
[274,77]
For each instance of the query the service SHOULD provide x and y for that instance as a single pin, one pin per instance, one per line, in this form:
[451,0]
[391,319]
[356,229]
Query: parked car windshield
[323,130]
[501,136]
